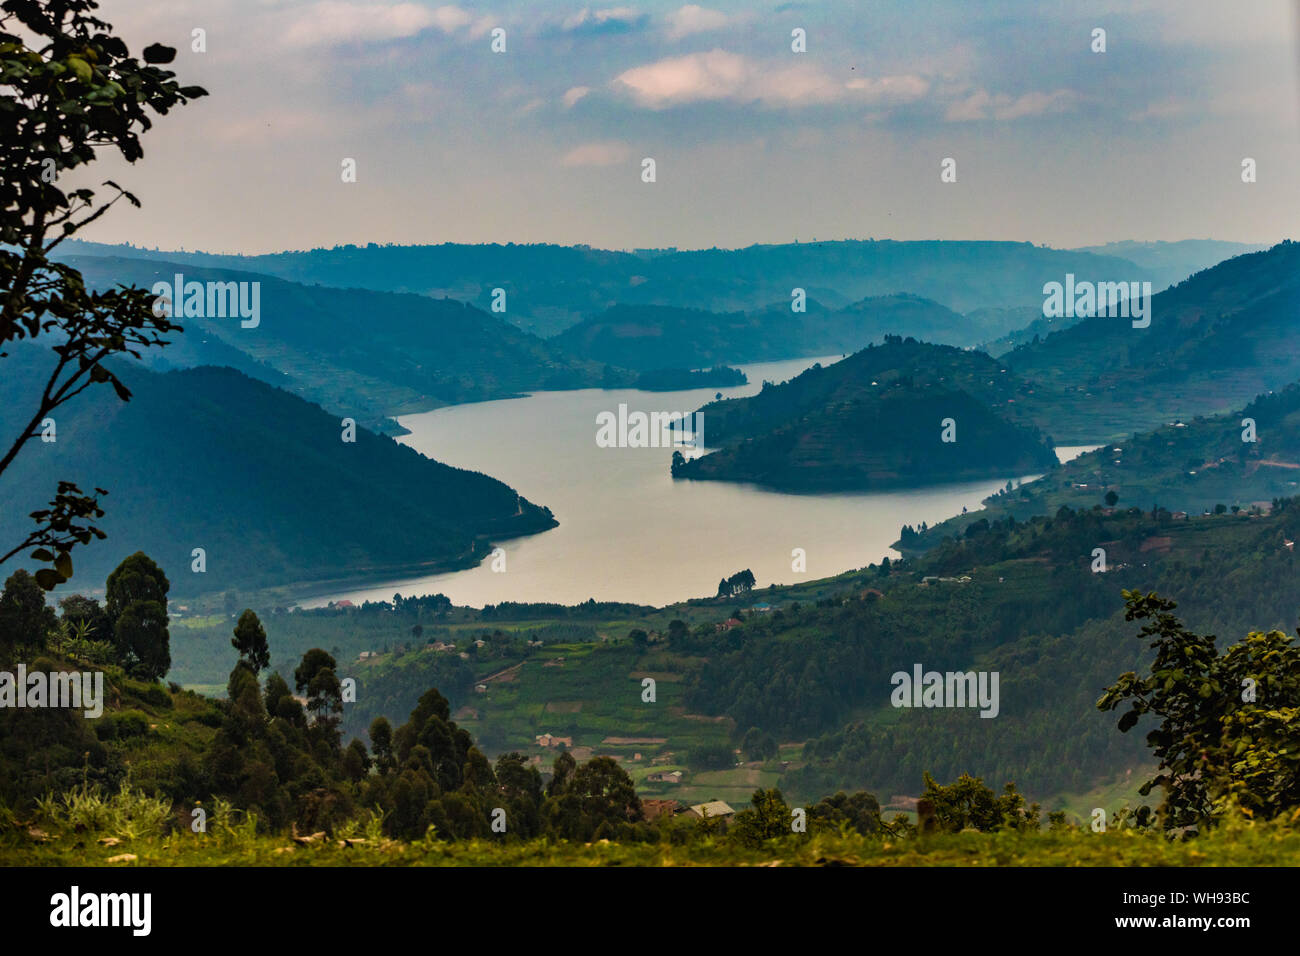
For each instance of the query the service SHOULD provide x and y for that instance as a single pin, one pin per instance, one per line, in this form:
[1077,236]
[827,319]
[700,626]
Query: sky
[753,142]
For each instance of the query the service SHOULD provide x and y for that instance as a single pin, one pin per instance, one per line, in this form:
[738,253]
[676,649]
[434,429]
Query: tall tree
[312,662]
[70,88]
[142,639]
[25,618]
[250,641]
[137,578]
[381,743]
[136,607]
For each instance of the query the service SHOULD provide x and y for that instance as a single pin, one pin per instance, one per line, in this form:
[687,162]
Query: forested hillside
[1216,340]
[1230,462]
[878,419]
[261,480]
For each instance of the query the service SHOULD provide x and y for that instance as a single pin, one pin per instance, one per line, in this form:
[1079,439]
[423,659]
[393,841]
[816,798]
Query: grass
[1109,795]
[231,841]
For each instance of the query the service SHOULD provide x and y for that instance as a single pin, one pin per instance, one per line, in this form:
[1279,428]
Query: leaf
[158,53]
[80,67]
[63,565]
[48,579]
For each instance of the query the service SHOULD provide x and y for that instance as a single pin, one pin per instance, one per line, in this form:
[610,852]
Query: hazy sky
[752,142]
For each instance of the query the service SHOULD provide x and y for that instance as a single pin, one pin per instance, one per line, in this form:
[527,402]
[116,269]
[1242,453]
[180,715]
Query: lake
[628,531]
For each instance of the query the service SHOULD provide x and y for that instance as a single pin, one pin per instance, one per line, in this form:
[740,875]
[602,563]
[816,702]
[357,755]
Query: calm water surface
[627,531]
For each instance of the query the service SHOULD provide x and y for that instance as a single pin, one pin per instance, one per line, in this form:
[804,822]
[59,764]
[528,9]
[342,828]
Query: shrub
[155,696]
[132,723]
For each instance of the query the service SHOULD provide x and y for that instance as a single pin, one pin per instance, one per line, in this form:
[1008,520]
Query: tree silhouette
[250,641]
[71,88]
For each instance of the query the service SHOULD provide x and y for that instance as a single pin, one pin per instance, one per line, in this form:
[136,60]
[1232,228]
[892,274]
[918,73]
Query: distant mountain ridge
[1172,262]
[549,288]
[642,336]
[356,351]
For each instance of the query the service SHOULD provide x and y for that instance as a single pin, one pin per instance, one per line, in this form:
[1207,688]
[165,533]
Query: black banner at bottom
[338,905]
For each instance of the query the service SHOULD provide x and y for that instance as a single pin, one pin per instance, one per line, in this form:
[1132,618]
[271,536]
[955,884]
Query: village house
[714,809]
[654,809]
[665,776]
[726,625]
[550,740]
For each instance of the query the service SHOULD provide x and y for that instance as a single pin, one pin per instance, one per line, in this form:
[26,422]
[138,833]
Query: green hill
[1216,340]
[875,420]
[260,479]
[1193,467]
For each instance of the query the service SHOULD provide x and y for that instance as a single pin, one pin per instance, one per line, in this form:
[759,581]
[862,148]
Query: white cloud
[982,105]
[328,22]
[482,26]
[714,75]
[693,18]
[449,19]
[336,21]
[597,154]
[719,75]
[902,88]
[573,94]
[596,20]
